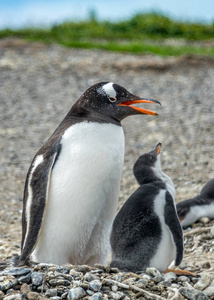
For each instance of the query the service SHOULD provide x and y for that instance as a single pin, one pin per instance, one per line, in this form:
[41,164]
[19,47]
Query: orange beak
[141,110]
[158,148]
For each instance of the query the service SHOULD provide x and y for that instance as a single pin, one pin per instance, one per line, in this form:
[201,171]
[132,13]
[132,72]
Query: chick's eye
[111,99]
[152,158]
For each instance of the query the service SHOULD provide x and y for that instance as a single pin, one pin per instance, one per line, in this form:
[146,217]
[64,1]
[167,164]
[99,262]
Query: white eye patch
[108,90]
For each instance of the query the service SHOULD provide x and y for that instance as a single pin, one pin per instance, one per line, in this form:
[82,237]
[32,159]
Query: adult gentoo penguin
[146,232]
[72,186]
[202,205]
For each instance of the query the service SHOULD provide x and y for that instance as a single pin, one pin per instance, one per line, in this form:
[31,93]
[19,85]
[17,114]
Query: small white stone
[209,291]
[183,278]
[192,294]
[13,297]
[76,293]
[204,220]
[170,276]
[95,285]
[153,272]
[203,282]
[114,288]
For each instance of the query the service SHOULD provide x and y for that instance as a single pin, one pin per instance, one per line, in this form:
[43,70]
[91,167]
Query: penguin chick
[146,231]
[202,205]
[72,186]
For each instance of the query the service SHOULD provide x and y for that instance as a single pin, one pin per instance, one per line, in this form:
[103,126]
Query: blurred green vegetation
[143,33]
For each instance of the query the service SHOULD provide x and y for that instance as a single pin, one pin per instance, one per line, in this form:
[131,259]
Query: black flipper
[172,221]
[35,199]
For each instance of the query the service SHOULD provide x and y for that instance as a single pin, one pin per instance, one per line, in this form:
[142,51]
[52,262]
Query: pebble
[146,276]
[62,276]
[203,282]
[1,295]
[47,266]
[170,276]
[130,280]
[89,292]
[165,283]
[64,295]
[209,291]
[57,282]
[98,271]
[194,280]
[174,285]
[174,294]
[117,277]
[36,278]
[76,282]
[95,285]
[76,293]
[153,272]
[51,293]
[74,274]
[183,278]
[13,297]
[142,283]
[63,270]
[158,278]
[25,288]
[34,296]
[114,288]
[89,276]
[206,265]
[7,282]
[204,220]
[16,271]
[192,294]
[116,296]
[105,268]
[83,268]
[24,279]
[97,296]
[187,285]
[41,288]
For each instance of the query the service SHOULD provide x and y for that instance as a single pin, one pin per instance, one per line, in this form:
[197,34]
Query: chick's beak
[158,148]
[140,100]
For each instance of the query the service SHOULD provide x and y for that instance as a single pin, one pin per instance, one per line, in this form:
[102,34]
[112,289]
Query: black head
[111,100]
[183,208]
[148,166]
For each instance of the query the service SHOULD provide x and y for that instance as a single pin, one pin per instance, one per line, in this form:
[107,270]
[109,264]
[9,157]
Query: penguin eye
[152,158]
[111,99]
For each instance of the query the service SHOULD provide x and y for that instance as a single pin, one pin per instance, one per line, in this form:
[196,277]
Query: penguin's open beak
[141,110]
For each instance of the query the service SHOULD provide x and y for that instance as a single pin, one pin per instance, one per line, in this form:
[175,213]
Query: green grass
[143,33]
[140,48]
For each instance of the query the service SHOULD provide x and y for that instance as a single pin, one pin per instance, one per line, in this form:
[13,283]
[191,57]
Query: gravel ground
[38,85]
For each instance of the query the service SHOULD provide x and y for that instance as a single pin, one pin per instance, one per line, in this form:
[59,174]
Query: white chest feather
[84,190]
[165,178]
[166,251]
